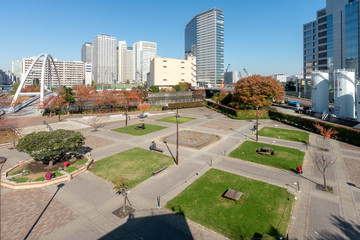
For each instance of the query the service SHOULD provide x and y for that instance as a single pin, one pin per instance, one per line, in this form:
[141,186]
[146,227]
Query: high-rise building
[335,38]
[104,59]
[125,63]
[204,39]
[70,73]
[87,52]
[142,53]
[16,68]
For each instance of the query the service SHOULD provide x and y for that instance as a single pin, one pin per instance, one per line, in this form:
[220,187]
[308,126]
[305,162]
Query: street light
[257,123]
[177,136]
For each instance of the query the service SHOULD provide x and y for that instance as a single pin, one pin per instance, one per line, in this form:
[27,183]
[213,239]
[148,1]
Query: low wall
[27,185]
[164,98]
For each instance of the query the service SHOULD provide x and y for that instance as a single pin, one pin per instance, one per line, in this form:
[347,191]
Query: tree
[177,88]
[290,86]
[68,95]
[321,161]
[83,95]
[95,122]
[220,96]
[154,88]
[14,88]
[326,133]
[257,90]
[50,147]
[54,104]
[184,86]
[143,107]
[121,186]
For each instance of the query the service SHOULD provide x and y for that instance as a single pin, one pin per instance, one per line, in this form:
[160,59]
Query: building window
[182,79]
[164,66]
[164,61]
[164,79]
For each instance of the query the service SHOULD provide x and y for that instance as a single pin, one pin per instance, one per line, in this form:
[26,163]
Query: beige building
[70,73]
[167,72]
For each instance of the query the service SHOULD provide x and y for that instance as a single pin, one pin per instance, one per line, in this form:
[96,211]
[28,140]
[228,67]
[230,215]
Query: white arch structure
[46,59]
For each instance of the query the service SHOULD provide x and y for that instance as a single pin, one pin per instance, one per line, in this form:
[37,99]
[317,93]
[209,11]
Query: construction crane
[246,72]
[222,82]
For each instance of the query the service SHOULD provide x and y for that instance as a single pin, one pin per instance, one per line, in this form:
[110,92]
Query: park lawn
[263,208]
[135,165]
[132,131]
[19,179]
[285,134]
[285,158]
[172,119]
[71,169]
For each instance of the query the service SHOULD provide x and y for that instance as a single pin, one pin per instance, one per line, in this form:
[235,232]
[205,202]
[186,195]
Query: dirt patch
[39,169]
[95,142]
[352,167]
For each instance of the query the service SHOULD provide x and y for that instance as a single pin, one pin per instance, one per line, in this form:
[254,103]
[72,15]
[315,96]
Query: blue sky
[263,36]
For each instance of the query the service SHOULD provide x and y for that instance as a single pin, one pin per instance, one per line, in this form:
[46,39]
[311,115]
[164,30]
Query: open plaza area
[187,199]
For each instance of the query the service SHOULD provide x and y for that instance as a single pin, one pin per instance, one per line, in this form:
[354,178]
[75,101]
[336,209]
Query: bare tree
[95,122]
[121,186]
[322,163]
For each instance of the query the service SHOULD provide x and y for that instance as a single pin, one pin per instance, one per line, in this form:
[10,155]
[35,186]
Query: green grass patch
[132,131]
[262,209]
[172,119]
[20,171]
[39,179]
[81,162]
[19,179]
[58,174]
[285,134]
[135,165]
[285,158]
[70,169]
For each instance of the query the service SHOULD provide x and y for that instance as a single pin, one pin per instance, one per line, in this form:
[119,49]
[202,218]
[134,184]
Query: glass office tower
[337,38]
[204,39]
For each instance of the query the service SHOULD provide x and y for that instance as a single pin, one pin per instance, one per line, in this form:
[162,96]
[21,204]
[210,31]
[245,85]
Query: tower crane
[222,82]
[246,72]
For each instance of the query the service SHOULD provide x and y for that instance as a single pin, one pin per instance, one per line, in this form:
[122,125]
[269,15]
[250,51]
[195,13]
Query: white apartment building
[88,73]
[125,63]
[87,52]
[70,73]
[143,52]
[167,72]
[104,59]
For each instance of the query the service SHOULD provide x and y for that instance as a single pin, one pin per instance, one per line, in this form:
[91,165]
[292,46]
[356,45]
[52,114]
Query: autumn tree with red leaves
[83,95]
[257,90]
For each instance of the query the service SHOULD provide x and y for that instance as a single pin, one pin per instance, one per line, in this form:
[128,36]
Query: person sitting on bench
[152,146]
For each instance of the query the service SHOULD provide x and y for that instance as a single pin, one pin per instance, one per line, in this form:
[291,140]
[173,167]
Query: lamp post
[177,136]
[257,123]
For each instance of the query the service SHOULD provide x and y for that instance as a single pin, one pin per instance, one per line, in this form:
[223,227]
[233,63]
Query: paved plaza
[82,208]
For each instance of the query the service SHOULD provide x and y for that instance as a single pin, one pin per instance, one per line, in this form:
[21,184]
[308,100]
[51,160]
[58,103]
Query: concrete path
[316,214]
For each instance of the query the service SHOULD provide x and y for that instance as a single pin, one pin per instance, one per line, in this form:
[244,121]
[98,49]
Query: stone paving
[91,200]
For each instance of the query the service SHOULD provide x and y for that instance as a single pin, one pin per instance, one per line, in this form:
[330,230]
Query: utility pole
[177,136]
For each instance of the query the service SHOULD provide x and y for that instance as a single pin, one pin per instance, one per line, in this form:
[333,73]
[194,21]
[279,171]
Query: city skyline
[264,38]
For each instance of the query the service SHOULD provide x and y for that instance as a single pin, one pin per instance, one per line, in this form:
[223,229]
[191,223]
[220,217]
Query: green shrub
[19,180]
[39,179]
[186,104]
[154,88]
[345,134]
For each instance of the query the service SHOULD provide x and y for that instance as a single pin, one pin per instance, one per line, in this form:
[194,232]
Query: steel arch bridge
[47,63]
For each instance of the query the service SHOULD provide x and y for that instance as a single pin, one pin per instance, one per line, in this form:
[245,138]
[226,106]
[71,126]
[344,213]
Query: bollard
[158,202]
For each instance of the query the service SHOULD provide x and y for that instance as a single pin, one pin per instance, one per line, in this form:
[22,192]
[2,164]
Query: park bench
[159,170]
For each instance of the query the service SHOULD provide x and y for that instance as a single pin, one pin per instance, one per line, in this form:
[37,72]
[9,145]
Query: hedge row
[186,104]
[238,114]
[345,134]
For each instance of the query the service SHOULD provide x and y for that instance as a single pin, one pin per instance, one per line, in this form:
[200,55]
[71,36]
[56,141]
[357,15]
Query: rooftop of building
[211,10]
